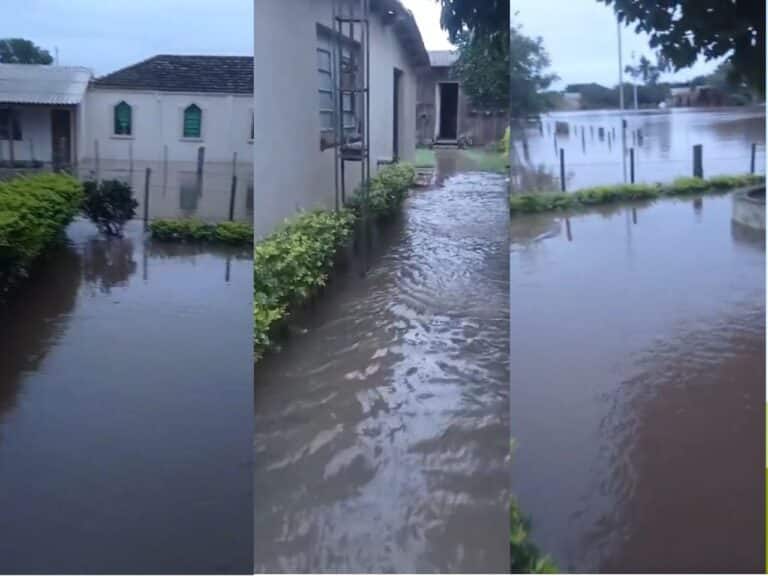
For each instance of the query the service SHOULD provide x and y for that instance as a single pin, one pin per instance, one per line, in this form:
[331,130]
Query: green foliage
[21,51]
[483,68]
[386,191]
[525,558]
[733,29]
[291,264]
[599,195]
[486,18]
[109,205]
[34,211]
[506,142]
[194,230]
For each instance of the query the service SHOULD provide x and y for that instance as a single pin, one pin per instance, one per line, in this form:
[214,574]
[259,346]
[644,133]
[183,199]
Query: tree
[528,79]
[484,18]
[21,51]
[644,71]
[483,68]
[683,30]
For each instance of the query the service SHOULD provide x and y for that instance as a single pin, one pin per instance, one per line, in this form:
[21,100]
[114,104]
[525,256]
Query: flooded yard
[638,374]
[125,421]
[663,141]
[382,425]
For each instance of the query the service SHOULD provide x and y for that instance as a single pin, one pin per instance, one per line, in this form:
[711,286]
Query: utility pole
[621,105]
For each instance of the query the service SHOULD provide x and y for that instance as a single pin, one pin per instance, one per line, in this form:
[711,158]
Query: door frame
[70,137]
[438,116]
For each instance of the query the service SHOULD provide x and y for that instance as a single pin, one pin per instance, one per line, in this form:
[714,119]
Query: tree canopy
[21,51]
[484,18]
[682,30]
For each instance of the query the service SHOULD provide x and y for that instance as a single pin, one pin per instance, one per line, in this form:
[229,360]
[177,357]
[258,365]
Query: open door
[449,111]
[61,135]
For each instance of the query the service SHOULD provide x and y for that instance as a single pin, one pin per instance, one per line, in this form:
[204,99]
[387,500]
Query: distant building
[571,101]
[703,95]
[168,106]
[42,116]
[445,113]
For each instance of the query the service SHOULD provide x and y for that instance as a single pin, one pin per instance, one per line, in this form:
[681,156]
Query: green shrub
[599,195]
[34,211]
[524,556]
[109,204]
[194,230]
[291,264]
[386,191]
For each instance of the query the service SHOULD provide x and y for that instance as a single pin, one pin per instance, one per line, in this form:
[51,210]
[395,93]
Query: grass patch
[600,195]
[292,264]
[34,211]
[425,158]
[193,230]
[487,160]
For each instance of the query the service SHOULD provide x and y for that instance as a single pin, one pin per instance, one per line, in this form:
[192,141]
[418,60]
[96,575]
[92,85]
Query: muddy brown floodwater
[382,434]
[125,417]
[638,374]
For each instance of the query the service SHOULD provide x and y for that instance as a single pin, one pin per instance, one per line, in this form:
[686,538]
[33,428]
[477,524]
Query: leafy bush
[386,190]
[109,204]
[548,201]
[525,558]
[194,230]
[291,264]
[34,211]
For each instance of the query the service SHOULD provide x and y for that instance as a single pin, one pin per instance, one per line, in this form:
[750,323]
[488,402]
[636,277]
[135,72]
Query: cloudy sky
[580,35]
[105,35]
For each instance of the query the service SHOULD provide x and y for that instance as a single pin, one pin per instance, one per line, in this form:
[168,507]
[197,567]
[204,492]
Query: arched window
[123,120]
[193,121]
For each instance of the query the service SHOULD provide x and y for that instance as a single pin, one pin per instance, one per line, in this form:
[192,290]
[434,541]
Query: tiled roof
[171,73]
[38,84]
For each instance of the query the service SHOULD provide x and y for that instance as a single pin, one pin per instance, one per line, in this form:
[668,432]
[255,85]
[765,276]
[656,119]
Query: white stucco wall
[35,143]
[157,122]
[291,173]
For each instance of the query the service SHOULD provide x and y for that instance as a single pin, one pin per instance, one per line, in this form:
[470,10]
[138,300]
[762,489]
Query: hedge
[34,211]
[193,230]
[386,191]
[547,201]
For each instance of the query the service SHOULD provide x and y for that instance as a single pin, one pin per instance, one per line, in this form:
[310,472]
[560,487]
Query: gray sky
[580,36]
[106,35]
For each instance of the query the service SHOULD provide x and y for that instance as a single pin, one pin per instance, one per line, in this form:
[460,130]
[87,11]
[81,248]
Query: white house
[41,113]
[299,54]
[166,107]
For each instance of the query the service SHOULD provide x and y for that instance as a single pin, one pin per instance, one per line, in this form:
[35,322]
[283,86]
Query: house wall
[36,141]
[291,172]
[157,122]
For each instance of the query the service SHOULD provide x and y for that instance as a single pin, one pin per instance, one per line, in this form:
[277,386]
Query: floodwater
[125,418]
[177,190]
[663,141]
[638,374]
[382,433]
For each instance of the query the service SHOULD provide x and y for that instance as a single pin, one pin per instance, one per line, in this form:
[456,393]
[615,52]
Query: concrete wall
[157,122]
[291,172]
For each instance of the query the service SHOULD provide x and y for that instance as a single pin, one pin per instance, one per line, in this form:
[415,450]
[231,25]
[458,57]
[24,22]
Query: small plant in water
[109,204]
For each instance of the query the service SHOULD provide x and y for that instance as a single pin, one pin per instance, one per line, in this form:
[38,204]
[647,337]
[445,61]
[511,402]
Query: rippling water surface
[382,426]
[638,374]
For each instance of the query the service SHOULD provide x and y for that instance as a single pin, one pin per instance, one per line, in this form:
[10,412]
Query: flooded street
[382,426]
[125,425]
[662,139]
[638,373]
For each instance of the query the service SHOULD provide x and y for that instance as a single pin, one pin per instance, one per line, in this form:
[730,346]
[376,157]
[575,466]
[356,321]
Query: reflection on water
[638,346]
[662,139]
[177,190]
[382,426]
[125,424]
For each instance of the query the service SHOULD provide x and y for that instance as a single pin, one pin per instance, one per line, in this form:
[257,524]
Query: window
[193,121]
[325,90]
[123,119]
[348,102]
[5,120]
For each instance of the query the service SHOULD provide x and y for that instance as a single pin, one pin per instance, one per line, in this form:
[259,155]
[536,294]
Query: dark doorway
[449,111]
[61,134]
[396,115]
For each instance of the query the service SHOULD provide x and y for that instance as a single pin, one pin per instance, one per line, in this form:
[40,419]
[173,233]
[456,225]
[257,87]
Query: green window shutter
[123,119]
[193,121]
